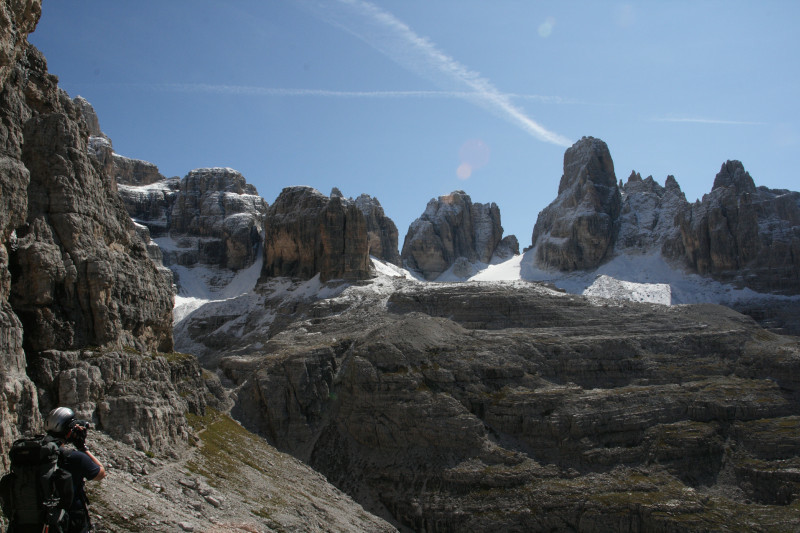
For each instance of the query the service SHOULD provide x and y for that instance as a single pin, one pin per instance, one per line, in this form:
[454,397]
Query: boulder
[452,227]
[578,229]
[308,233]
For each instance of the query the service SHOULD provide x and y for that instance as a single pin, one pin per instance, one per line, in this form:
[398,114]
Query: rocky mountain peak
[217,179]
[89,115]
[743,234]
[732,174]
[672,184]
[578,229]
[647,218]
[634,177]
[588,159]
[308,233]
[381,230]
[215,218]
[452,227]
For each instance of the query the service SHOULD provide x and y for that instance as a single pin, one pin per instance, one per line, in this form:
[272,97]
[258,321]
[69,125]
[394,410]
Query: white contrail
[393,38]
[250,90]
[709,121]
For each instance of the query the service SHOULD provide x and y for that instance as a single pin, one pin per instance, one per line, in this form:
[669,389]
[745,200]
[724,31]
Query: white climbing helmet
[58,420]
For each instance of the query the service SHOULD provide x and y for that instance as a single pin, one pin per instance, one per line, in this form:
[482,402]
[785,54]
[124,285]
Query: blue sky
[409,100]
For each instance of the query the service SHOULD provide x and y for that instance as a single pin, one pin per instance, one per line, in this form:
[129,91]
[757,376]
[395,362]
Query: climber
[62,425]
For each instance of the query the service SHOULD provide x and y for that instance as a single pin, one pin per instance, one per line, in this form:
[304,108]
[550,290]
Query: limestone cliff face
[217,218]
[135,171]
[18,399]
[746,234]
[381,230]
[308,233]
[80,274]
[452,227]
[74,273]
[578,229]
[738,233]
[647,218]
[213,215]
[151,206]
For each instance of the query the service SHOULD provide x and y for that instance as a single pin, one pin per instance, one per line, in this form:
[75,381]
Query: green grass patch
[176,357]
[224,447]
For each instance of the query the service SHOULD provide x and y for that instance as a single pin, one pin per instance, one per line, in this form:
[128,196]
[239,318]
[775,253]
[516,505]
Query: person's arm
[102,473]
[80,445]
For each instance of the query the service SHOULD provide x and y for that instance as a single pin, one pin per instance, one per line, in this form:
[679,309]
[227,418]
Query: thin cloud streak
[385,33]
[246,90]
[709,121]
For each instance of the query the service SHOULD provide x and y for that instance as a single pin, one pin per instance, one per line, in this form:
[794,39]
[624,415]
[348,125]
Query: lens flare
[472,155]
[546,27]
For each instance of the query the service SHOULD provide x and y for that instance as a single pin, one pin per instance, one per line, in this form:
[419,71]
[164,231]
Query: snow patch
[608,287]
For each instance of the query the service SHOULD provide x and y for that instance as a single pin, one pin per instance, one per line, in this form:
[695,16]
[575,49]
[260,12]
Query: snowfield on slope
[214,294]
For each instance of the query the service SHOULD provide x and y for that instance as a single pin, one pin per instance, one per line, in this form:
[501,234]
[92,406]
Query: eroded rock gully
[518,408]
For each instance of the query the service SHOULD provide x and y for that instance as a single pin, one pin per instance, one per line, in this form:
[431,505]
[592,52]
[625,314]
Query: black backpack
[36,492]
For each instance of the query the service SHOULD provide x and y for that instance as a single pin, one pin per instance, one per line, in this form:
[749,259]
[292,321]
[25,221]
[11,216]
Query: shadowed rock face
[308,233]
[381,230]
[223,214]
[449,402]
[578,230]
[80,274]
[744,234]
[18,399]
[74,273]
[452,227]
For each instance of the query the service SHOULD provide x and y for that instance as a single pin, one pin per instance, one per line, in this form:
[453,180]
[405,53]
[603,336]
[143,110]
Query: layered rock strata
[222,215]
[452,227]
[151,206]
[308,233]
[457,400]
[213,216]
[578,229]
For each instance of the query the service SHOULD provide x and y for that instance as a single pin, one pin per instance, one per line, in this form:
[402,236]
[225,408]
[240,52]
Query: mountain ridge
[437,406]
